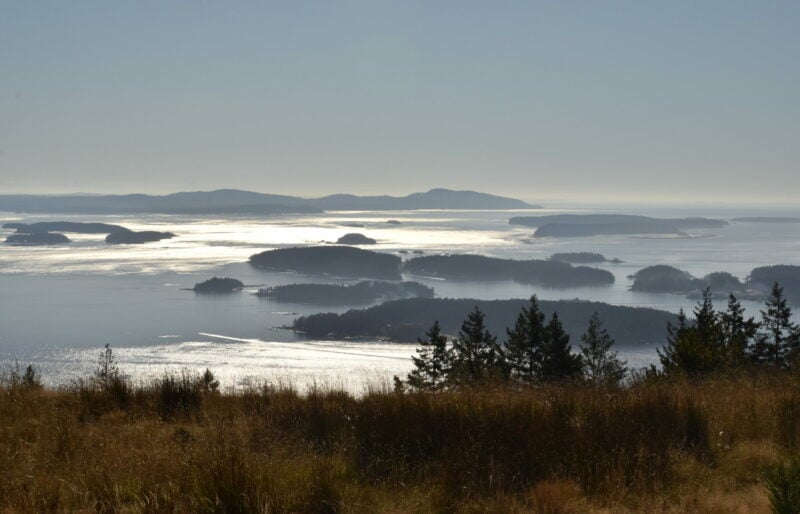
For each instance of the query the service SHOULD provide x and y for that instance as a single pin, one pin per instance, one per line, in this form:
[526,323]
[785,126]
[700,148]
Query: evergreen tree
[558,362]
[525,346]
[432,363]
[107,370]
[683,352]
[700,347]
[476,354]
[601,366]
[778,339]
[737,333]
[705,323]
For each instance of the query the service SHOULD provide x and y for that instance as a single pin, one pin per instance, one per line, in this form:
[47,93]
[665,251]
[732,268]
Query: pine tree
[697,348]
[705,323]
[737,333]
[778,339]
[601,365]
[433,361]
[558,362]
[525,346]
[107,370]
[476,355]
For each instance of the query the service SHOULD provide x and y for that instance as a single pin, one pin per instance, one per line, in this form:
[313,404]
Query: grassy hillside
[177,446]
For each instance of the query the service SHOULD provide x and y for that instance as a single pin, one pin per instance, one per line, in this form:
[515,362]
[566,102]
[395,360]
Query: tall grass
[175,445]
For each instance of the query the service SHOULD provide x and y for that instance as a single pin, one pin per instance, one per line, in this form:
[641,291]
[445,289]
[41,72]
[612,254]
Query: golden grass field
[170,446]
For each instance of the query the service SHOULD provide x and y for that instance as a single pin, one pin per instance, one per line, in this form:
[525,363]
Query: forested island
[585,225]
[668,279]
[64,226]
[406,320]
[478,267]
[788,276]
[131,237]
[342,261]
[767,219]
[218,285]
[582,258]
[49,232]
[354,238]
[364,292]
[346,261]
[665,279]
[37,239]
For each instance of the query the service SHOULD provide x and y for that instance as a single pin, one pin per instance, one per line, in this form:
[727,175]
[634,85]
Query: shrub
[178,394]
[783,486]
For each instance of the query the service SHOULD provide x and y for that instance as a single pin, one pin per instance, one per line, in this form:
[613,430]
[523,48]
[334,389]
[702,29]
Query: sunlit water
[59,305]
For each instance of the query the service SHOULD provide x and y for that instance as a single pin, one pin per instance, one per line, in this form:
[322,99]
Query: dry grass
[659,447]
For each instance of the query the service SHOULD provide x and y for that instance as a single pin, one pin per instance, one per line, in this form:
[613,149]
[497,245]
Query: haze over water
[59,305]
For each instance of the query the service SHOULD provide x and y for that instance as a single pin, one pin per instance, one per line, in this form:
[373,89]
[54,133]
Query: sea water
[59,305]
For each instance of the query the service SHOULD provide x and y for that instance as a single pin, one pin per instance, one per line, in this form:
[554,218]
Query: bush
[783,486]
[178,394]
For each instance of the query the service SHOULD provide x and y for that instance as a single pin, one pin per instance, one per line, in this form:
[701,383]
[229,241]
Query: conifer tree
[558,362]
[705,323]
[697,348]
[737,333]
[525,346]
[432,362]
[778,339]
[476,354]
[601,366]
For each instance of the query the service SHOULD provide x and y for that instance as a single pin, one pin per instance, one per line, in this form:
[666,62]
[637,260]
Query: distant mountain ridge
[434,199]
[234,201]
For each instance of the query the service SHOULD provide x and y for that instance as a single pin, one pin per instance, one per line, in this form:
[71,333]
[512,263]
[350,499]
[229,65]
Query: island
[356,294]
[354,238]
[767,219]
[407,320]
[554,274]
[668,279]
[37,239]
[218,285]
[665,279]
[64,226]
[787,276]
[605,229]
[723,282]
[130,237]
[44,233]
[341,261]
[582,258]
[586,225]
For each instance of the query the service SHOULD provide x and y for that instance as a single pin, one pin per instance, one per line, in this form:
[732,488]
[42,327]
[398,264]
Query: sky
[684,101]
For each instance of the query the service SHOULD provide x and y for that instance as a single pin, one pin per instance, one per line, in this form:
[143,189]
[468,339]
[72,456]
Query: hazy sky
[558,99]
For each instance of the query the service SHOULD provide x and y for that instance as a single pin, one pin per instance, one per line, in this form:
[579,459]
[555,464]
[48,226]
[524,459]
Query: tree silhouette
[525,347]
[737,333]
[778,339]
[476,354]
[558,362]
[601,366]
[432,362]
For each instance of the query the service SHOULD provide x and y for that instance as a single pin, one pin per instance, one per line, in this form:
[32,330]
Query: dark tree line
[719,341]
[536,351]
